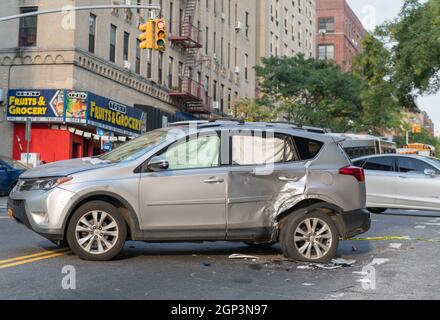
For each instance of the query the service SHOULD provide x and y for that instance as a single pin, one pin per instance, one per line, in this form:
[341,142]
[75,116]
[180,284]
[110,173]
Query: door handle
[214,180]
[285,179]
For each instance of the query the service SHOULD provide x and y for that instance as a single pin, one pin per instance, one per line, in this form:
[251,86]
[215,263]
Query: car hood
[65,168]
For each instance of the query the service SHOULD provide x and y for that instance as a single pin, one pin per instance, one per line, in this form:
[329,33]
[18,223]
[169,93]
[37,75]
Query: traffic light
[160,35]
[147,35]
[417,128]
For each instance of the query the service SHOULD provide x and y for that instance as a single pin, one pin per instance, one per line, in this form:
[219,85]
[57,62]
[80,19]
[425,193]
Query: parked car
[409,182]
[208,181]
[10,170]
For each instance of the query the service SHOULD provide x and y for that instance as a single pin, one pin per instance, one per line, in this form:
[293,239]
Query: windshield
[136,148]
[14,164]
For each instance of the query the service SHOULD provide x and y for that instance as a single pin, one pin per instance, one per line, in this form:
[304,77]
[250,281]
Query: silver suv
[259,183]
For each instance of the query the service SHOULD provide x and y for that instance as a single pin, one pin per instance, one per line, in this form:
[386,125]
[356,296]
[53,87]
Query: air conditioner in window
[223,16]
[214,56]
[322,31]
[238,26]
[237,70]
[127,65]
[216,105]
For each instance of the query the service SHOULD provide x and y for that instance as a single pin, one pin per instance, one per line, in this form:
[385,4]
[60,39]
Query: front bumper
[42,212]
[356,222]
[18,211]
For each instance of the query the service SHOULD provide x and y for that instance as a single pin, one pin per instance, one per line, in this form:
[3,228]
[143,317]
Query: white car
[401,182]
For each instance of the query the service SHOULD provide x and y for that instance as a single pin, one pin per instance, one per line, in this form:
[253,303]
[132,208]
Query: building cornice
[87,61]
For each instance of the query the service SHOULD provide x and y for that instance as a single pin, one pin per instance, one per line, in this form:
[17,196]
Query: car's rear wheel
[309,237]
[97,231]
[377,210]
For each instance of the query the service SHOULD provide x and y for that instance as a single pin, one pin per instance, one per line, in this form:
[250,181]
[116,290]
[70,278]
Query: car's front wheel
[97,231]
[311,237]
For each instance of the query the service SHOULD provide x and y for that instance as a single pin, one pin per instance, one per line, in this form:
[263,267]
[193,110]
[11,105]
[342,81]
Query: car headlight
[49,183]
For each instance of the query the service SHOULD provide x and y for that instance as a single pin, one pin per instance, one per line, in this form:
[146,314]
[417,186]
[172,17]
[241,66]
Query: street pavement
[400,250]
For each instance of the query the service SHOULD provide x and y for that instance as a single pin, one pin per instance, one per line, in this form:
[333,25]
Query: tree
[250,110]
[415,40]
[311,92]
[380,105]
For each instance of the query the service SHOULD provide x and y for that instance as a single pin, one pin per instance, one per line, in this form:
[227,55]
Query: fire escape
[190,93]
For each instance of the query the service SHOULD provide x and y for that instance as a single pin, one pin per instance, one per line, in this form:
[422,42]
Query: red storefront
[68,124]
[53,144]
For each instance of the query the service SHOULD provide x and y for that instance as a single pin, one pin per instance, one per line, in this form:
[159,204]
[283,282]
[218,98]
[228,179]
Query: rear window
[307,149]
[250,149]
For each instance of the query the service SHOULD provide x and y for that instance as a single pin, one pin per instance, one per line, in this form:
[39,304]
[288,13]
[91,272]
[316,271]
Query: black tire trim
[134,225]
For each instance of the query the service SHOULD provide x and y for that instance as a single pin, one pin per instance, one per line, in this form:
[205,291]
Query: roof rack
[226,121]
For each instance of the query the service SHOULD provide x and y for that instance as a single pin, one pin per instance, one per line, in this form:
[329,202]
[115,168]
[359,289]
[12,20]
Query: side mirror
[158,164]
[430,172]
[3,169]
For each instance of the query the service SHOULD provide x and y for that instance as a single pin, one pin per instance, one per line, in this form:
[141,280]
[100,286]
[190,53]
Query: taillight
[356,172]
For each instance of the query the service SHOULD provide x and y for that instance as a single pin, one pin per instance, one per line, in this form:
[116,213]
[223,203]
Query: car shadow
[135,250]
[410,213]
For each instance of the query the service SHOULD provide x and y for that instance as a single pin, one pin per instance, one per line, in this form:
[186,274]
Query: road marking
[4,217]
[32,258]
[395,245]
[387,238]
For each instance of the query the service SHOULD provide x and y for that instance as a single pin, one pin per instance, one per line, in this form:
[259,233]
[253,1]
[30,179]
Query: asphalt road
[405,267]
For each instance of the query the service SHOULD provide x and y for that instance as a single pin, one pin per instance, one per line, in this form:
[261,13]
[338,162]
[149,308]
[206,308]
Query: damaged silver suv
[260,183]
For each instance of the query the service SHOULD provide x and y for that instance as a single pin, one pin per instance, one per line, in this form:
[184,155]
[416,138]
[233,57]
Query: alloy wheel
[96,232]
[313,238]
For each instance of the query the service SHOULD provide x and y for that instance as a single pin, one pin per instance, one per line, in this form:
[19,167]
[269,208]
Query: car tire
[96,231]
[377,210]
[266,245]
[317,243]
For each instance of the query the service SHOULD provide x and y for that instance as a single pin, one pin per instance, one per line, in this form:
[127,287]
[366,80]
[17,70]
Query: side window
[198,152]
[307,149]
[408,165]
[258,149]
[380,164]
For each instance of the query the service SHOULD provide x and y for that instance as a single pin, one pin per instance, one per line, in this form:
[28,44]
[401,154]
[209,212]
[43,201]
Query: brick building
[340,32]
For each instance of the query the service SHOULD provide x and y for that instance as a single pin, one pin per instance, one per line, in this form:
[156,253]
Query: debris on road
[207,264]
[334,264]
[238,256]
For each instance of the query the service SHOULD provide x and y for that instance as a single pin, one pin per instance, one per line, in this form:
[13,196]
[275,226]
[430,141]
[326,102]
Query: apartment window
[28,29]
[170,72]
[206,40]
[160,67]
[170,20]
[113,43]
[126,45]
[326,52]
[222,97]
[246,59]
[149,62]
[206,88]
[180,73]
[138,57]
[327,24]
[92,32]
[214,90]
[247,24]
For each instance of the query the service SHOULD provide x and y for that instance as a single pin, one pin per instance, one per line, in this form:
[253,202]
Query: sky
[375,12]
